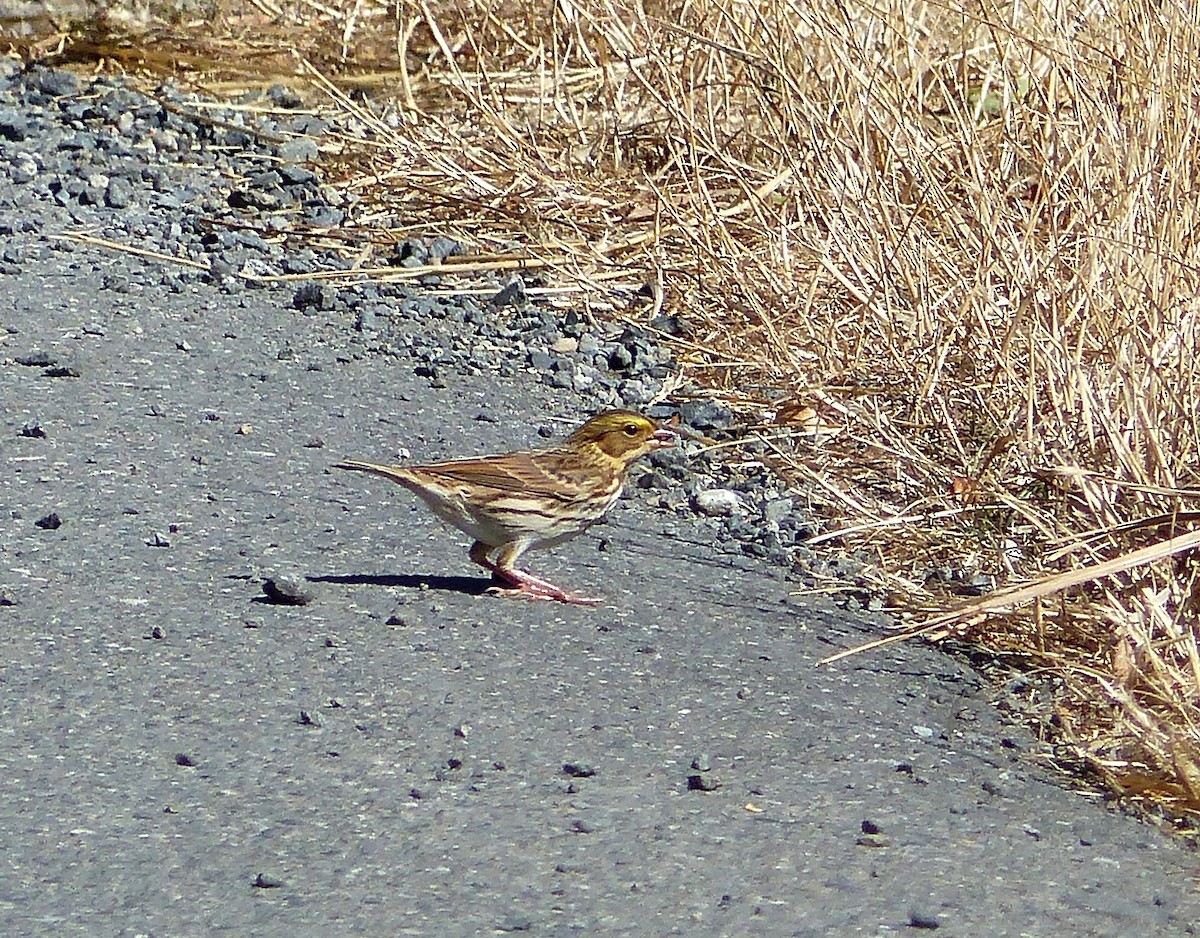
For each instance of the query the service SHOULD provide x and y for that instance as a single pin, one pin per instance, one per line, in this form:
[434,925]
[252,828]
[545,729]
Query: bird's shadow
[467,585]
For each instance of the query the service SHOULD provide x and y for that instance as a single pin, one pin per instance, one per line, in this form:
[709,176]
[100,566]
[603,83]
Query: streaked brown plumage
[520,501]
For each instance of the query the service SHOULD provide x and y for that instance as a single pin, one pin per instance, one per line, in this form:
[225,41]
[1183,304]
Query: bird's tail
[395,473]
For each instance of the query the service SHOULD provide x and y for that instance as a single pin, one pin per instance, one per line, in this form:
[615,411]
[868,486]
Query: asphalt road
[407,756]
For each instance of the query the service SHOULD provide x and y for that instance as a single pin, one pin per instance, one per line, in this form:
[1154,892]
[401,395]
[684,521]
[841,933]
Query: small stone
[183,759]
[298,150]
[294,176]
[706,415]
[565,346]
[14,126]
[717,503]
[286,591]
[578,770]
[777,509]
[25,168]
[158,541]
[923,919]
[411,252]
[119,193]
[315,295]
[977,584]
[53,82]
[513,294]
[37,358]
[653,479]
[33,431]
[158,632]
[307,719]
[671,325]
[700,782]
[620,358]
[283,96]
[51,522]
[267,881]
[442,247]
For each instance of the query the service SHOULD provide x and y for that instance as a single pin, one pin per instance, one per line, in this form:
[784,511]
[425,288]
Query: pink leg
[523,584]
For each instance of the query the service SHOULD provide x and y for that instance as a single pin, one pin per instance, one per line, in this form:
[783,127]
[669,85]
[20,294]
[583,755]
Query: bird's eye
[631,429]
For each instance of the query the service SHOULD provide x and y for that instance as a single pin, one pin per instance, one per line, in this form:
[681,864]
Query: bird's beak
[664,439]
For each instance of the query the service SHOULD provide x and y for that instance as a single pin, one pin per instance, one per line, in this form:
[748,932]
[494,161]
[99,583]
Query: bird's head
[622,435]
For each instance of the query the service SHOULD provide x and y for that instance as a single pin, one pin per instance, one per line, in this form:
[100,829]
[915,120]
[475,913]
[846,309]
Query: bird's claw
[539,591]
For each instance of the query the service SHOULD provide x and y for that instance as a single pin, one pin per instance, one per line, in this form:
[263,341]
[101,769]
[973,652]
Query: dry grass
[944,256]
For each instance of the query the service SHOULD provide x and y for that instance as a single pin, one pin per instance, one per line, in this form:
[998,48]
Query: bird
[529,499]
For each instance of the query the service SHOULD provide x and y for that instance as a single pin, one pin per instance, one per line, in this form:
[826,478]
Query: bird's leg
[479,554]
[520,583]
[517,582]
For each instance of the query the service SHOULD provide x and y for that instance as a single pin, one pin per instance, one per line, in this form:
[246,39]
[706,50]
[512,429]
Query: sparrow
[530,499]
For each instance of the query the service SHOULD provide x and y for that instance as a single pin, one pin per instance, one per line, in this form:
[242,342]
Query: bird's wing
[538,474]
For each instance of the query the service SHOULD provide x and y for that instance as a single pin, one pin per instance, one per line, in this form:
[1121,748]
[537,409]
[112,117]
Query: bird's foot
[526,586]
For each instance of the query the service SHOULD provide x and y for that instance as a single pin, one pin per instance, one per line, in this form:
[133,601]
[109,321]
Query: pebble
[288,591]
[777,509]
[442,247]
[717,503]
[513,294]
[706,415]
[299,150]
[37,358]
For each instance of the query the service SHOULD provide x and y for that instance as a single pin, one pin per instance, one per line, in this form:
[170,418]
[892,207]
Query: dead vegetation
[946,254]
